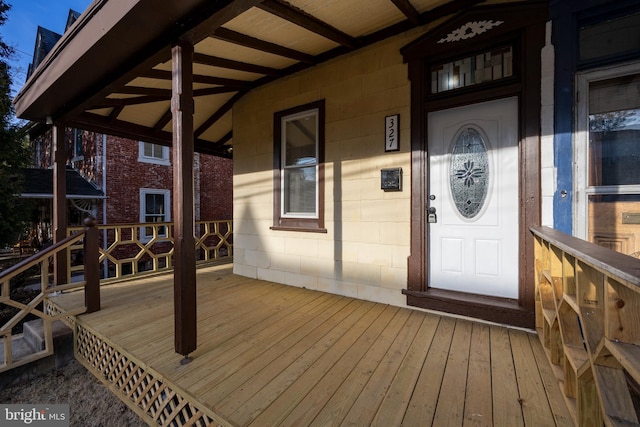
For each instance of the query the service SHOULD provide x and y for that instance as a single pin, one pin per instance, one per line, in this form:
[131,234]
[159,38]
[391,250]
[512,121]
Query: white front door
[473,187]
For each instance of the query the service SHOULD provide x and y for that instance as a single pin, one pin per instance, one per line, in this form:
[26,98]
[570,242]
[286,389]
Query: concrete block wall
[364,252]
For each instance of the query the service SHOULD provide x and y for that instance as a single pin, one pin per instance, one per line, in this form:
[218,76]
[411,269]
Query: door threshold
[499,310]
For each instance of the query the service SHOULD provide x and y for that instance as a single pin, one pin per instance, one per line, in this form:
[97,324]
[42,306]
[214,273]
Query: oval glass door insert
[469,177]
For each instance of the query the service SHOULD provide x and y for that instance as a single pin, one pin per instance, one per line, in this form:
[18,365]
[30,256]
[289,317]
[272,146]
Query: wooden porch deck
[270,354]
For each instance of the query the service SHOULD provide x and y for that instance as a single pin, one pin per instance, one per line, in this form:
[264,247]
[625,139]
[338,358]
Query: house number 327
[391,132]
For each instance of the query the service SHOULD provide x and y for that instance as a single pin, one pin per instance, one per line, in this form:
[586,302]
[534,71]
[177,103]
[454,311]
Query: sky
[21,27]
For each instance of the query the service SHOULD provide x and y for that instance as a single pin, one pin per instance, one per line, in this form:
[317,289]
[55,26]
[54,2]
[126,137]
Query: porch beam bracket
[183,199]
[219,113]
[299,17]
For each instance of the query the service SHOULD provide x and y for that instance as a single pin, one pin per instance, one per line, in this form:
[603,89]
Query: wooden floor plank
[559,409]
[394,405]
[450,410]
[535,406]
[367,404]
[422,407]
[279,355]
[301,402]
[478,408]
[507,410]
[245,403]
[239,364]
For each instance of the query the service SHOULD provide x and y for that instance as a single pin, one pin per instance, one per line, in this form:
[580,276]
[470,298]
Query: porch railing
[15,352]
[588,319]
[131,250]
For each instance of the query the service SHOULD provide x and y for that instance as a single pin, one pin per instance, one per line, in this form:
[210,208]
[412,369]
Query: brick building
[133,179]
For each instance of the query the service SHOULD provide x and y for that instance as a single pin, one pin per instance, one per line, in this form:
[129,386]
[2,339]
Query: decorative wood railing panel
[128,250]
[588,319]
[11,357]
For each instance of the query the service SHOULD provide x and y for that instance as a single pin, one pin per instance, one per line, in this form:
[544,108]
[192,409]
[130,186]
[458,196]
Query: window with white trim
[607,150]
[155,206]
[299,168]
[153,153]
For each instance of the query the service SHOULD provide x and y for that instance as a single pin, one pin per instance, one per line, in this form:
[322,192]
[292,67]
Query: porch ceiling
[111,72]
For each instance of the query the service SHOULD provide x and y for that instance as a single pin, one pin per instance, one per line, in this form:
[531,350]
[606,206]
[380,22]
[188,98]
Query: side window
[608,143]
[155,206]
[153,153]
[299,168]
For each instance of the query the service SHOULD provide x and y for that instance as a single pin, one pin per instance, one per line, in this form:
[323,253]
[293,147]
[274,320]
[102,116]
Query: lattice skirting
[155,401]
[52,309]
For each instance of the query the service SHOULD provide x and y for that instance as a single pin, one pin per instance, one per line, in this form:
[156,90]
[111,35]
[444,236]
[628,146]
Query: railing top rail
[35,258]
[145,224]
[603,259]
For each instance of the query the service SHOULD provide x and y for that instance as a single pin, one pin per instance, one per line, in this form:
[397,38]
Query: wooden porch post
[184,273]
[59,203]
[91,266]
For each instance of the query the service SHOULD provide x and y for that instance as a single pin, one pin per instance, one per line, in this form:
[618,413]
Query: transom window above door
[492,65]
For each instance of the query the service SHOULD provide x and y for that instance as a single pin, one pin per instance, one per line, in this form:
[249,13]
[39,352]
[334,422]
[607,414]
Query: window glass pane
[300,190]
[78,149]
[148,149]
[614,131]
[469,179]
[485,67]
[154,209]
[613,37]
[300,140]
[614,159]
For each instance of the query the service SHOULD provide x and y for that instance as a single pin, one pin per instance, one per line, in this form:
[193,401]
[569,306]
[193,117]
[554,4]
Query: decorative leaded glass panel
[485,67]
[469,176]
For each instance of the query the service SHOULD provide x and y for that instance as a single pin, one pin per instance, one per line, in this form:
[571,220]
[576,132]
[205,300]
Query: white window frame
[581,189]
[283,155]
[144,237]
[164,161]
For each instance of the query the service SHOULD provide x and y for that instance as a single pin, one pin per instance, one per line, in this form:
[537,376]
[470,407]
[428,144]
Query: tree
[14,153]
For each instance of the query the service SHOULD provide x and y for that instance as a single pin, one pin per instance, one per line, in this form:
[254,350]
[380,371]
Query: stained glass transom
[469,177]
[485,67]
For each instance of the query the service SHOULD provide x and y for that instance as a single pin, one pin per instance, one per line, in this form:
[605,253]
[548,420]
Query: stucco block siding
[364,251]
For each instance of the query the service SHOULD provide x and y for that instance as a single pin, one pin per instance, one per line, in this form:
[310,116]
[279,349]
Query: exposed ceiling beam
[123,102]
[218,114]
[196,26]
[139,90]
[304,20]
[102,124]
[264,46]
[164,120]
[213,90]
[199,58]
[449,8]
[208,26]
[166,75]
[409,11]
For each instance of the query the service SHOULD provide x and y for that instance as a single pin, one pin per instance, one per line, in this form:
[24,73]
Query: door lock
[431,216]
